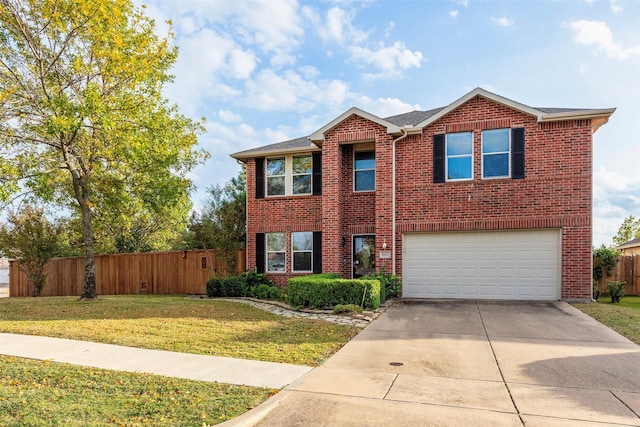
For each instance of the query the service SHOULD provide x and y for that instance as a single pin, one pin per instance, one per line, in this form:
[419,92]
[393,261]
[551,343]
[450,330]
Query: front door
[364,255]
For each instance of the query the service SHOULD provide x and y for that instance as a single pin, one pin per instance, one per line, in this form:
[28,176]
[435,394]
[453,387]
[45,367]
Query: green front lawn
[623,318]
[176,323]
[35,393]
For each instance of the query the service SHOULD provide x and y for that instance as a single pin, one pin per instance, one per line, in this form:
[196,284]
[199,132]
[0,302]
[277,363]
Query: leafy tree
[629,230]
[32,241]
[222,223]
[605,260]
[83,121]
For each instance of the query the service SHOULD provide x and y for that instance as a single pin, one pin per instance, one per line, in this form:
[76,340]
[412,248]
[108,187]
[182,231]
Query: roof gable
[599,116]
[318,136]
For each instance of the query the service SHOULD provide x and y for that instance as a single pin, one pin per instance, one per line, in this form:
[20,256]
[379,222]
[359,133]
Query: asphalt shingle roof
[411,118]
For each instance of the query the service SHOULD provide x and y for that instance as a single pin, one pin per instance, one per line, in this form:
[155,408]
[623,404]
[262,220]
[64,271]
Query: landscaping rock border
[282,309]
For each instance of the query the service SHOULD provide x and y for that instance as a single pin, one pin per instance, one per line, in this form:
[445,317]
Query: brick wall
[556,192]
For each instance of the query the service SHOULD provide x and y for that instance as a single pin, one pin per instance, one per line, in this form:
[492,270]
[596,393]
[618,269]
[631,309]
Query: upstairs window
[496,153]
[459,153]
[276,175]
[276,252]
[364,170]
[302,169]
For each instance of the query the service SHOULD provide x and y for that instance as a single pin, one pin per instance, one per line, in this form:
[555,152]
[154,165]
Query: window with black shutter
[259,177]
[259,252]
[517,153]
[438,158]
[317,252]
[317,173]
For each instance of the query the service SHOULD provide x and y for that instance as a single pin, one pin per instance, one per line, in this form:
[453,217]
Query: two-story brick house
[486,198]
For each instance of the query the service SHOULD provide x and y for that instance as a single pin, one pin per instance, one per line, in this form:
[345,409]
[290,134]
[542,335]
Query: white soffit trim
[318,136]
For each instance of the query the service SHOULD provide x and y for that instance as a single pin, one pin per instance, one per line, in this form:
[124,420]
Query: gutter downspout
[405,133]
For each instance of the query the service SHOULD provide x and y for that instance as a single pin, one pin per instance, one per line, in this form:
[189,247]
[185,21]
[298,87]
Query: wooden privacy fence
[627,269]
[175,272]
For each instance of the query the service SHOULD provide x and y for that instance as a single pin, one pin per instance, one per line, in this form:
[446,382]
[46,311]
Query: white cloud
[454,13]
[337,19]
[229,116]
[274,25]
[598,33]
[282,60]
[338,27]
[390,60]
[290,90]
[463,3]
[385,107]
[615,196]
[503,21]
[390,27]
[615,6]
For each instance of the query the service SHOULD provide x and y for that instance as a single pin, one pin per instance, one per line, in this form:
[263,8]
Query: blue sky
[266,71]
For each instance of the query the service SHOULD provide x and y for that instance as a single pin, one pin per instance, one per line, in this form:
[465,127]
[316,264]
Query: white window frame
[288,175]
[508,153]
[267,176]
[294,252]
[457,156]
[310,174]
[359,149]
[267,252]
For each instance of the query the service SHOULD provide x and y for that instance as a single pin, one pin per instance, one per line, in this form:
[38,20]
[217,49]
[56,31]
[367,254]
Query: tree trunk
[82,196]
[89,291]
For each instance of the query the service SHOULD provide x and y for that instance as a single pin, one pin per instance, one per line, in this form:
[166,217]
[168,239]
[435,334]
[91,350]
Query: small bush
[214,287]
[274,292]
[321,291]
[261,291]
[254,279]
[616,290]
[347,308]
[390,284]
[234,286]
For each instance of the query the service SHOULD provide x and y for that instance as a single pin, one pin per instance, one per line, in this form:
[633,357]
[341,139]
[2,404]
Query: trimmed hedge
[247,284]
[326,290]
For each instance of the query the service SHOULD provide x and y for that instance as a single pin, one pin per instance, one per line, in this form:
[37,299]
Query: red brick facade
[555,193]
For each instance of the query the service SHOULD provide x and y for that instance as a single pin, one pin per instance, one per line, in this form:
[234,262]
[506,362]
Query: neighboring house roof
[417,120]
[635,243]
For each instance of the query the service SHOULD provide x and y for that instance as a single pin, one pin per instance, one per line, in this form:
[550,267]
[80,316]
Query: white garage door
[513,265]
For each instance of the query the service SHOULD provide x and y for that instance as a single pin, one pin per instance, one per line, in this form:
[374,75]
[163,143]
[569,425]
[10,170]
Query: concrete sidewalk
[455,363]
[181,365]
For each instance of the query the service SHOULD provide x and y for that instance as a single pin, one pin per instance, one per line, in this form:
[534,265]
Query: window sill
[289,196]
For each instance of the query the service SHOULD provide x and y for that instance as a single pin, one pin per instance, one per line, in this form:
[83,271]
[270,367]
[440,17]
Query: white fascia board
[318,136]
[579,114]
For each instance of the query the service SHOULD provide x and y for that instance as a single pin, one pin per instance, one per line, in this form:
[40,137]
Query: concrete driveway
[468,363]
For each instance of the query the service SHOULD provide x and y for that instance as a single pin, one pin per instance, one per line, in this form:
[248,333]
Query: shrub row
[248,284]
[327,291]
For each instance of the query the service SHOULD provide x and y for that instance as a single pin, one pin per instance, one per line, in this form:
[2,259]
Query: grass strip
[176,323]
[623,318]
[37,393]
